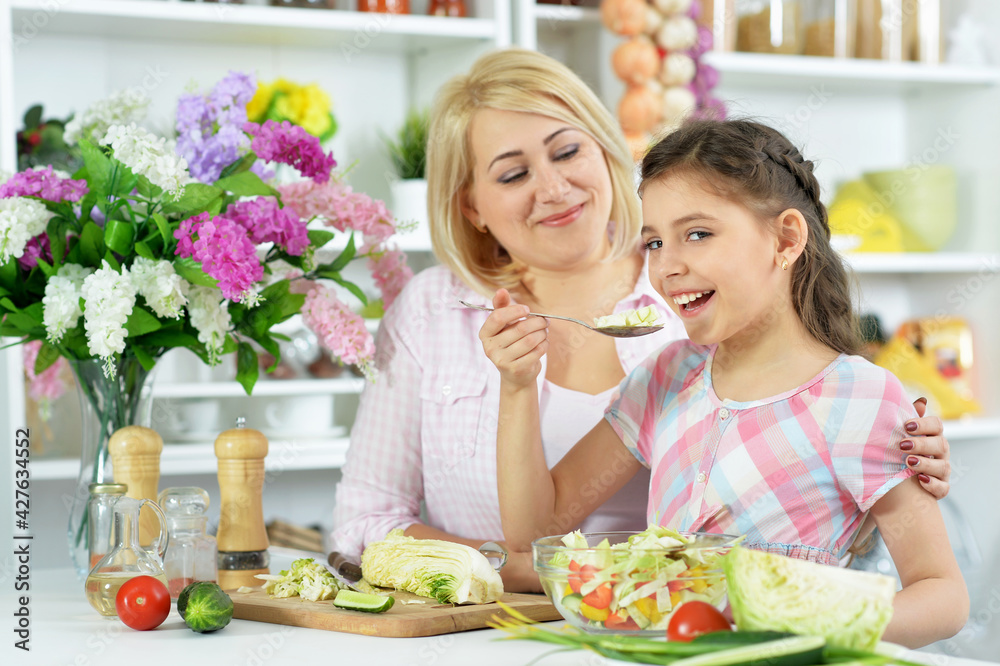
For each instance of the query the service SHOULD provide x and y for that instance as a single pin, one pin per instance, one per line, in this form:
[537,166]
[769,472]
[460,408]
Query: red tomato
[694,618]
[599,597]
[580,575]
[143,603]
[616,621]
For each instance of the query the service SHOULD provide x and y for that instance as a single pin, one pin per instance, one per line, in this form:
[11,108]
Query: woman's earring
[784,264]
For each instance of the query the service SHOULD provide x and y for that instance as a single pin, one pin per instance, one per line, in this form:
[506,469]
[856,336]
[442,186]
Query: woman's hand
[928,451]
[519,574]
[513,341]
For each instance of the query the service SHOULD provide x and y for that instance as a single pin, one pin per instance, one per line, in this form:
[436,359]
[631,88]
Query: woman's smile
[563,218]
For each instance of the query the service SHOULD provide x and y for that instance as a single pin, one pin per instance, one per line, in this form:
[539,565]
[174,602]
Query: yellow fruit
[647,606]
[595,614]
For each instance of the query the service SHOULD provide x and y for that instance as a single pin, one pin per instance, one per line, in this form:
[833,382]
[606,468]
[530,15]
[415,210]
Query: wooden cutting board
[409,616]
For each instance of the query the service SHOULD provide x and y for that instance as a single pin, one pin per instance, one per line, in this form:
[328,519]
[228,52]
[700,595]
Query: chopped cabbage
[306,578]
[646,316]
[772,592]
[449,572]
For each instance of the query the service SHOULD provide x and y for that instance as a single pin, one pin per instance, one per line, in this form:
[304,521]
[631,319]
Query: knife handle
[344,566]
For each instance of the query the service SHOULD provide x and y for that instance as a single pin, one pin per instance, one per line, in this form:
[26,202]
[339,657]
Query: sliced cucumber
[368,603]
[793,651]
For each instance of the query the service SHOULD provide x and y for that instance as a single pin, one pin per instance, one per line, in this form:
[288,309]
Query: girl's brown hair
[758,167]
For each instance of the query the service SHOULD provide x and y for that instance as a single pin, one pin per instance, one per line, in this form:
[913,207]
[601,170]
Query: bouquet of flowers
[151,246]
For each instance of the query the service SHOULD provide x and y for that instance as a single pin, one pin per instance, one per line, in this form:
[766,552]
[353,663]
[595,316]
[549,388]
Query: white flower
[147,155]
[61,302]
[123,107]
[5,176]
[210,317]
[163,289]
[109,297]
[21,220]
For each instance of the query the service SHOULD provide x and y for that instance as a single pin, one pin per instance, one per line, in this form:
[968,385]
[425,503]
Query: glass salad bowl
[627,582]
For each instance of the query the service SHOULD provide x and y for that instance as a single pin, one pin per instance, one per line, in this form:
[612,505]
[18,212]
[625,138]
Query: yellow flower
[305,106]
[261,102]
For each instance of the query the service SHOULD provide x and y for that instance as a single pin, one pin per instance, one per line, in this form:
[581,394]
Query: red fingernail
[906,445]
[911,427]
[924,478]
[912,461]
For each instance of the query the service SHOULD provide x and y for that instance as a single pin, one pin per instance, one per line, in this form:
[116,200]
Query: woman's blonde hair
[529,82]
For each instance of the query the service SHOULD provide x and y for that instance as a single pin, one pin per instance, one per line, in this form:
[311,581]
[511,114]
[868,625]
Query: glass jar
[101,519]
[769,26]
[829,29]
[447,8]
[302,4]
[191,555]
[384,6]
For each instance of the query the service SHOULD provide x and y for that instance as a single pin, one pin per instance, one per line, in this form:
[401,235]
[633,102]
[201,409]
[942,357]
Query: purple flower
[265,222]
[44,184]
[36,248]
[290,144]
[208,127]
[224,251]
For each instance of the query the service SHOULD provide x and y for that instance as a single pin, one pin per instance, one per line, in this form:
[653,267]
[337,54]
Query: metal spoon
[613,331]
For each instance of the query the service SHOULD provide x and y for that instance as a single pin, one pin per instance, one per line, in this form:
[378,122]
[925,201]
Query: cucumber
[792,651]
[205,607]
[571,602]
[368,603]
[736,638]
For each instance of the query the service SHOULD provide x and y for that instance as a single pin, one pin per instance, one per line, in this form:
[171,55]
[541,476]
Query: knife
[346,572]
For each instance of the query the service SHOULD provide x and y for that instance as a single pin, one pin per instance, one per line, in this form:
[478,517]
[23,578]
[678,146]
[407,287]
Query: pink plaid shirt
[795,472]
[425,432]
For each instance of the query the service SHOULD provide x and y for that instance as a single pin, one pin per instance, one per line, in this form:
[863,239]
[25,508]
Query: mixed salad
[634,585]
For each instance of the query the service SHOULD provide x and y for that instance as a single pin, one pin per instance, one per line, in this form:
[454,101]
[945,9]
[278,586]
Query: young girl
[764,423]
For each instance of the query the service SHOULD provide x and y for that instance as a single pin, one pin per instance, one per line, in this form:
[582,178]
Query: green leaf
[125,180]
[247,369]
[239,166]
[118,235]
[56,231]
[345,257]
[47,355]
[46,268]
[91,245]
[320,237]
[353,288]
[164,227]
[109,257]
[141,321]
[246,184]
[33,117]
[143,250]
[191,270]
[9,272]
[148,190]
[197,197]
[169,338]
[98,169]
[145,359]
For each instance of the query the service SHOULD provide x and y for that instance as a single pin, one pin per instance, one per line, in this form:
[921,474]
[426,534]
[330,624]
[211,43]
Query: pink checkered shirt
[795,473]
[425,432]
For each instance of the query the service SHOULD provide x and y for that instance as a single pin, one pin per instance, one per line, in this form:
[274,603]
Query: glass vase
[106,404]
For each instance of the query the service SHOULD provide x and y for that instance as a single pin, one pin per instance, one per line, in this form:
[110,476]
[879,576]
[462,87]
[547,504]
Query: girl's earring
[784,264]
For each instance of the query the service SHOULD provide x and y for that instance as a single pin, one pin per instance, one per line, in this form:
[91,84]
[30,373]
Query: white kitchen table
[66,631]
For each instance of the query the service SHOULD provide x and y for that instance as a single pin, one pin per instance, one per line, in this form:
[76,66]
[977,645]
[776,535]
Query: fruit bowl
[628,582]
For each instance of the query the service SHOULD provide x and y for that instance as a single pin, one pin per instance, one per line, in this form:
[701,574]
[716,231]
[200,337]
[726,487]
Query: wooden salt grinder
[242,538]
[135,461]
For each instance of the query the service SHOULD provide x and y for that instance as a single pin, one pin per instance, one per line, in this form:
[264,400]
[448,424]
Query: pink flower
[341,208]
[339,329]
[44,184]
[47,386]
[290,144]
[265,222]
[224,251]
[35,248]
[391,273]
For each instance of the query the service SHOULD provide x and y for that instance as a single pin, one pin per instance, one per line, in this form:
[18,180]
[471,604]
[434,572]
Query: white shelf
[972,428]
[263,388]
[199,458]
[924,262]
[226,23]
[785,71]
[566,14]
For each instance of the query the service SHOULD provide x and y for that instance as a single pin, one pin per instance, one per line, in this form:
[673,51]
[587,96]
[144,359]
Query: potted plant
[408,152]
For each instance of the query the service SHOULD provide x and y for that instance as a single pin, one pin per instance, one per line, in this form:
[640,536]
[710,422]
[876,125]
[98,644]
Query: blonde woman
[531,188]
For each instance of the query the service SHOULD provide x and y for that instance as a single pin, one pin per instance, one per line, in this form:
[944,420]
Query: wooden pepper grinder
[242,538]
[135,461]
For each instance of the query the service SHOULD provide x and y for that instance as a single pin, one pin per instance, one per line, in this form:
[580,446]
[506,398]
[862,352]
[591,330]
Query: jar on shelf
[191,553]
[899,30]
[829,28]
[454,8]
[770,26]
[384,6]
[101,519]
[303,4]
